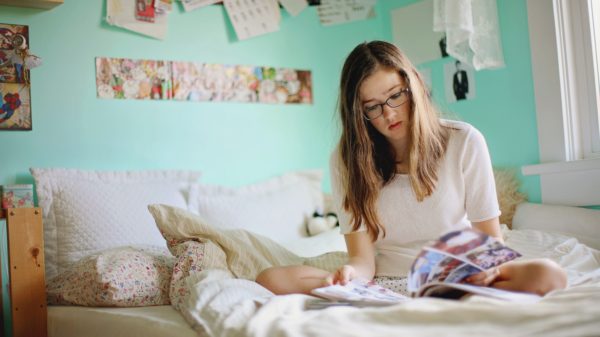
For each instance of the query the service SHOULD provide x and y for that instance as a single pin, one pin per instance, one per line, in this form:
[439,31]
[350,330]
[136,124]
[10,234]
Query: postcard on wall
[14,45]
[294,7]
[459,80]
[144,10]
[129,14]
[332,12]
[412,31]
[133,79]
[190,5]
[253,18]
[163,6]
[15,106]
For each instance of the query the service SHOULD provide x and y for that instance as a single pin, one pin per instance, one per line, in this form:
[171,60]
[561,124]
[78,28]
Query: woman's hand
[361,260]
[484,278]
[341,276]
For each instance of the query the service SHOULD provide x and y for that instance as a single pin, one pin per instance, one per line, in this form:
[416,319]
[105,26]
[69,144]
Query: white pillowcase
[330,240]
[581,223]
[85,212]
[277,208]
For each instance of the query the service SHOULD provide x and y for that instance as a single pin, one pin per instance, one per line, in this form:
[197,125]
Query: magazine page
[457,290]
[456,256]
[360,291]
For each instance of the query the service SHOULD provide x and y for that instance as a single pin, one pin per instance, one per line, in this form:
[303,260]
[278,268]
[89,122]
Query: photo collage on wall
[15,102]
[194,81]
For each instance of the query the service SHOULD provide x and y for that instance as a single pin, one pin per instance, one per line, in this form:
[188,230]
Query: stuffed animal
[320,223]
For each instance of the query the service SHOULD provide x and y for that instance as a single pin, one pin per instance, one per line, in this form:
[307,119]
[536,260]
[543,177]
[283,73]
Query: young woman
[401,177]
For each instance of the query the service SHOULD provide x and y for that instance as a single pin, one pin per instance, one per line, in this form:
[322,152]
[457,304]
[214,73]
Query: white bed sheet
[156,321]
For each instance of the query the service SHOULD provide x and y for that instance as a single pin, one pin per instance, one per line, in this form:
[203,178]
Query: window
[565,52]
[595,46]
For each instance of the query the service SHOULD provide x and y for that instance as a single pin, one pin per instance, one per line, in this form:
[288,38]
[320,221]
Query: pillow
[277,208]
[85,212]
[120,277]
[581,223]
[329,241]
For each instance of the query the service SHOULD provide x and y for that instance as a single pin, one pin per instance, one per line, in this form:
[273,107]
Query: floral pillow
[119,277]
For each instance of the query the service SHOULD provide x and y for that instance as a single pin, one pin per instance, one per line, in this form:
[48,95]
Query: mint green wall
[231,143]
[504,106]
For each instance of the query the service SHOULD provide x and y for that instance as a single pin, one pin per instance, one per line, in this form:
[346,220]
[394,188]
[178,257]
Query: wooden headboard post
[27,282]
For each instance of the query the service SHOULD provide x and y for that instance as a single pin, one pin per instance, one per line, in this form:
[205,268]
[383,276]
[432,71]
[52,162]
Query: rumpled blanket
[213,288]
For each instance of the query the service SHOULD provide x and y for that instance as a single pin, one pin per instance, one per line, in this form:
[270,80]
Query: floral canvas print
[193,81]
[133,79]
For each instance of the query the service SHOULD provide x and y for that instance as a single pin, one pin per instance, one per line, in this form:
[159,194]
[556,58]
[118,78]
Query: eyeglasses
[394,101]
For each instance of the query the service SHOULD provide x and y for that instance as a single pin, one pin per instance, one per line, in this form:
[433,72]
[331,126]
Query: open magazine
[358,292]
[439,270]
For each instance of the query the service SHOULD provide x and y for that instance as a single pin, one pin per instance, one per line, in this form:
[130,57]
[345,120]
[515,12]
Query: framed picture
[15,111]
[15,101]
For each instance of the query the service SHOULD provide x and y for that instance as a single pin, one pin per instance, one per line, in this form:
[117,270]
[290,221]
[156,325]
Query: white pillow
[277,208]
[329,241]
[581,223]
[85,212]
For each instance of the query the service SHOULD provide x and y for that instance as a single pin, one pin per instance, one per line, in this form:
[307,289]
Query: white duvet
[219,304]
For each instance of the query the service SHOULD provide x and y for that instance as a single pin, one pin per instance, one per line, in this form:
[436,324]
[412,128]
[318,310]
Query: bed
[184,265]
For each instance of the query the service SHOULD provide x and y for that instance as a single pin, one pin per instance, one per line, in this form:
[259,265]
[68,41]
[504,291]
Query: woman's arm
[490,227]
[361,259]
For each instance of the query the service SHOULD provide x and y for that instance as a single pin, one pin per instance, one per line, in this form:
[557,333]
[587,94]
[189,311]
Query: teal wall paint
[504,106]
[231,143]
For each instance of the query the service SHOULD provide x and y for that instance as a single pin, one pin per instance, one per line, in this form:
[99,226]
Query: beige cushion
[245,253]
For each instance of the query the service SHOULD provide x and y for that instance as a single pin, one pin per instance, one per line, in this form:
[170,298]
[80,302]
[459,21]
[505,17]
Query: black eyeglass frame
[405,91]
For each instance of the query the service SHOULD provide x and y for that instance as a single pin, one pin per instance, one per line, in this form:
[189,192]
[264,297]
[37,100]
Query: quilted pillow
[120,277]
[85,212]
[277,208]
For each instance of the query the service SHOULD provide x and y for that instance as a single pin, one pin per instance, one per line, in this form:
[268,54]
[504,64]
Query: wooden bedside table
[27,282]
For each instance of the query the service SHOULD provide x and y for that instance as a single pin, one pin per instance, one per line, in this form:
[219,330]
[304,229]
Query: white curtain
[472,31]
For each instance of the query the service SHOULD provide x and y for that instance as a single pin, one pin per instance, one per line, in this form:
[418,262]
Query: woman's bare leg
[292,279]
[538,276]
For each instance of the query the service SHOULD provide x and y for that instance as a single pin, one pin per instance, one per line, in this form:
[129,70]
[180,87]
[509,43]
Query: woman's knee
[553,273]
[267,278]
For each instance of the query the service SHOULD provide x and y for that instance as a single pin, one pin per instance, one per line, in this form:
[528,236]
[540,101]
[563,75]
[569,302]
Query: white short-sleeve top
[465,193]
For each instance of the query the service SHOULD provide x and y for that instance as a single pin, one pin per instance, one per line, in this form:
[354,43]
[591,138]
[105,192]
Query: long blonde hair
[368,160]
